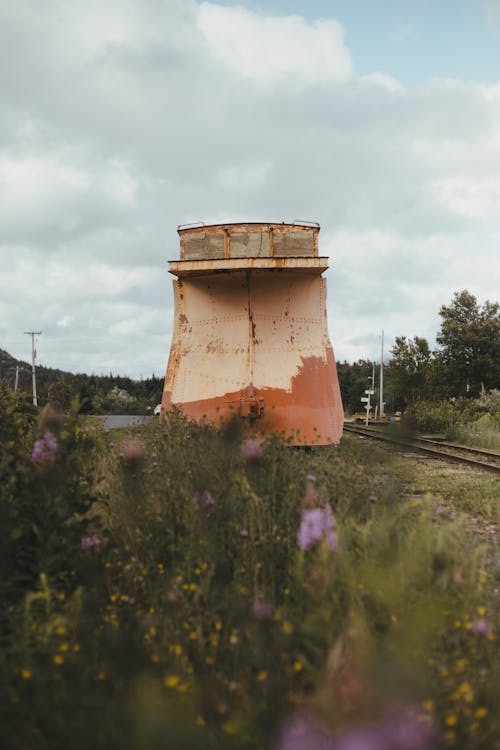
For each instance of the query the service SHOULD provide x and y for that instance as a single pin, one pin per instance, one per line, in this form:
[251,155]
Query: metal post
[16,383]
[381,409]
[33,358]
[369,392]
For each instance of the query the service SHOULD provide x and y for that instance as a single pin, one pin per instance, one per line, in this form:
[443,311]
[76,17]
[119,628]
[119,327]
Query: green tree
[353,381]
[469,340]
[410,369]
[59,394]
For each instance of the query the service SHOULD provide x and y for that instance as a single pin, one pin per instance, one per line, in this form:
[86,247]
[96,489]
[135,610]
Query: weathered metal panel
[249,244]
[184,268]
[202,245]
[294,243]
[254,334]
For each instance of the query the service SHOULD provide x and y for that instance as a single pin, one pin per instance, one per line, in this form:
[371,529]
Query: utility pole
[382,403]
[33,358]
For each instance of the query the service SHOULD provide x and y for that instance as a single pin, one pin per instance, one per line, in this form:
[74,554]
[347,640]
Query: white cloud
[243,177]
[384,81]
[268,49]
[473,198]
[121,120]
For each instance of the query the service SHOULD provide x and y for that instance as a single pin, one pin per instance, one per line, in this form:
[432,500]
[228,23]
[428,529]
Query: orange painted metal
[250,332]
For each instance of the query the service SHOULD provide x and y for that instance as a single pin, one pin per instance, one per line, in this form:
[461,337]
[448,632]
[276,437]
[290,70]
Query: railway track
[450,452]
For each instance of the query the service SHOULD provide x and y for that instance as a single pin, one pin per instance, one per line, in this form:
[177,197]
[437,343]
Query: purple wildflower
[90,542]
[372,498]
[406,731]
[317,524]
[262,610]
[359,738]
[482,627]
[251,451]
[302,734]
[311,478]
[336,460]
[401,732]
[45,449]
[244,532]
[203,500]
[132,453]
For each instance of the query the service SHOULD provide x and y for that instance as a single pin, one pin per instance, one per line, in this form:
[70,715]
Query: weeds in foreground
[202,594]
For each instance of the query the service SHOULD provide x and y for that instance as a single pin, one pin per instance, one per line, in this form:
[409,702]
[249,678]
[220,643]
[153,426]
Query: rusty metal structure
[250,333]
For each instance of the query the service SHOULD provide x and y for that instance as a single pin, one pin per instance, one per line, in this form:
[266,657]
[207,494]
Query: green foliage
[95,392]
[410,369]
[466,364]
[353,380]
[470,344]
[432,416]
[59,394]
[42,502]
[474,422]
[168,604]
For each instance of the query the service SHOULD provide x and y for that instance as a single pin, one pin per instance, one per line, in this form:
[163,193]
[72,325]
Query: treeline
[98,394]
[465,363]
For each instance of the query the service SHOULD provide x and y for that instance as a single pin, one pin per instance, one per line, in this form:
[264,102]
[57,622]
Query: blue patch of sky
[413,40]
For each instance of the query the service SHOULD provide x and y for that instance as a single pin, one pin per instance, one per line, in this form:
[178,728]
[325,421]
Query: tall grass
[178,609]
[482,433]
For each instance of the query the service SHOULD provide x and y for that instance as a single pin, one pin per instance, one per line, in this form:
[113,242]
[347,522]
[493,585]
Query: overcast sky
[121,119]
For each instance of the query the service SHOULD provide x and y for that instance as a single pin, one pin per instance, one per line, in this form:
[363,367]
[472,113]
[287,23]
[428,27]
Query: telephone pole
[382,403]
[33,358]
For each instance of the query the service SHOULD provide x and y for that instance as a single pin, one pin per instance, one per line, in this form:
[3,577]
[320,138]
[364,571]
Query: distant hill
[44,375]
[103,393]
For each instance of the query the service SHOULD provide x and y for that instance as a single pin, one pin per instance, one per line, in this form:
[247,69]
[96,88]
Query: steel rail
[415,444]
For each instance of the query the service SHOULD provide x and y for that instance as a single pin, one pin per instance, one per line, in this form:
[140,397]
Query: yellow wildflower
[58,659]
[26,674]
[287,627]
[451,720]
[480,712]
[171,681]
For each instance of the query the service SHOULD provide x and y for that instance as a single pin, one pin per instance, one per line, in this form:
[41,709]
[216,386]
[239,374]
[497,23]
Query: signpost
[366,400]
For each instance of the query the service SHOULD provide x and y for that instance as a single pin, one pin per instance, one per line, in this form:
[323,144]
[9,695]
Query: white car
[157,410]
